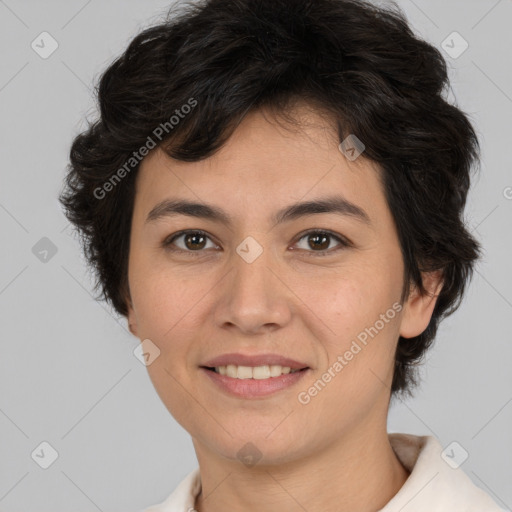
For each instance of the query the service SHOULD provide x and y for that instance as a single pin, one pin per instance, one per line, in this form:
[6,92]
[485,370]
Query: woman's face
[261,284]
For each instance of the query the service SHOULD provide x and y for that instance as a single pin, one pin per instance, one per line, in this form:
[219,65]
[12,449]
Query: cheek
[166,307]
[363,329]
[163,300]
[349,299]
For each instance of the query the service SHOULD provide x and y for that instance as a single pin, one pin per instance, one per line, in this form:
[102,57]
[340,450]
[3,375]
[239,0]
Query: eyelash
[344,242]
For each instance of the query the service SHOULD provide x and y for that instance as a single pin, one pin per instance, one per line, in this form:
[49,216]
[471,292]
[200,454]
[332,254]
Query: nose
[254,297]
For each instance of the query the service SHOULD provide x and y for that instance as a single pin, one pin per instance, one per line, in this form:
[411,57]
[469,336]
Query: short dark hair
[356,61]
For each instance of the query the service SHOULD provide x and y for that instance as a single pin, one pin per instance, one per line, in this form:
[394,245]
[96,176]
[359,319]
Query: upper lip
[254,360]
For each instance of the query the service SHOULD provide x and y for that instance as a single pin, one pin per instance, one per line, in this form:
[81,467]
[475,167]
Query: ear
[131,317]
[418,308]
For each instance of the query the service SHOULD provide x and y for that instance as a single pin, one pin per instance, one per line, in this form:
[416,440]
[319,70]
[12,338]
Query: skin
[208,301]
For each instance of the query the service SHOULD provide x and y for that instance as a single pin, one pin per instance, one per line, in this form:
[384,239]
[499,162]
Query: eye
[194,241]
[191,241]
[320,239]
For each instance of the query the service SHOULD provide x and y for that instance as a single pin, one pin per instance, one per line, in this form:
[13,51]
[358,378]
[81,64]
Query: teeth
[256,372]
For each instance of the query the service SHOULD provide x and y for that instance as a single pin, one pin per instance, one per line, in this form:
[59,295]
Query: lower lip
[255,388]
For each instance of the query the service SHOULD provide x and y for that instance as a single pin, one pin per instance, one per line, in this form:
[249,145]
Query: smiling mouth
[253,372]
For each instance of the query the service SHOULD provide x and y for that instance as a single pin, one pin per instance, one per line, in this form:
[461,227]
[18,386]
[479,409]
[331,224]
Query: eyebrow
[332,204]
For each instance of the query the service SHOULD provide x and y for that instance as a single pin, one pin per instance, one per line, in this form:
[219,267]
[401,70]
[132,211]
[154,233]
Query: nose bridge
[251,264]
[254,297]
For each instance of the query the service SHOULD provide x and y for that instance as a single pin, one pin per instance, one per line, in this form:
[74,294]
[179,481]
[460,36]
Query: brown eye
[188,241]
[319,242]
[194,241]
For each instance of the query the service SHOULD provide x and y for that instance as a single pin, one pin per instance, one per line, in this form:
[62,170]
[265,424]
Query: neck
[360,471]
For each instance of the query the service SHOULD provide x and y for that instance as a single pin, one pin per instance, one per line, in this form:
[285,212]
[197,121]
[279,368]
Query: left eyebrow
[332,204]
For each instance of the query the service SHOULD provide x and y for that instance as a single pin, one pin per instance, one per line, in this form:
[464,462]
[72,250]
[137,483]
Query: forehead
[265,164]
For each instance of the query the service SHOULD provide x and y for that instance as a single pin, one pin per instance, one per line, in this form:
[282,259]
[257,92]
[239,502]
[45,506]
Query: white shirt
[432,486]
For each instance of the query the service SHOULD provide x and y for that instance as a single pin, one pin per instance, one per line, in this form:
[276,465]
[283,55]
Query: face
[311,285]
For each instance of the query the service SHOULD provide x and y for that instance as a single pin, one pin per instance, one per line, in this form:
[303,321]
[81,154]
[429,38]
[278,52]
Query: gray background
[68,375]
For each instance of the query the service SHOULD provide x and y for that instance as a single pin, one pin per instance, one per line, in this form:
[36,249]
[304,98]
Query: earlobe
[133,329]
[132,320]
[132,325]
[418,308]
